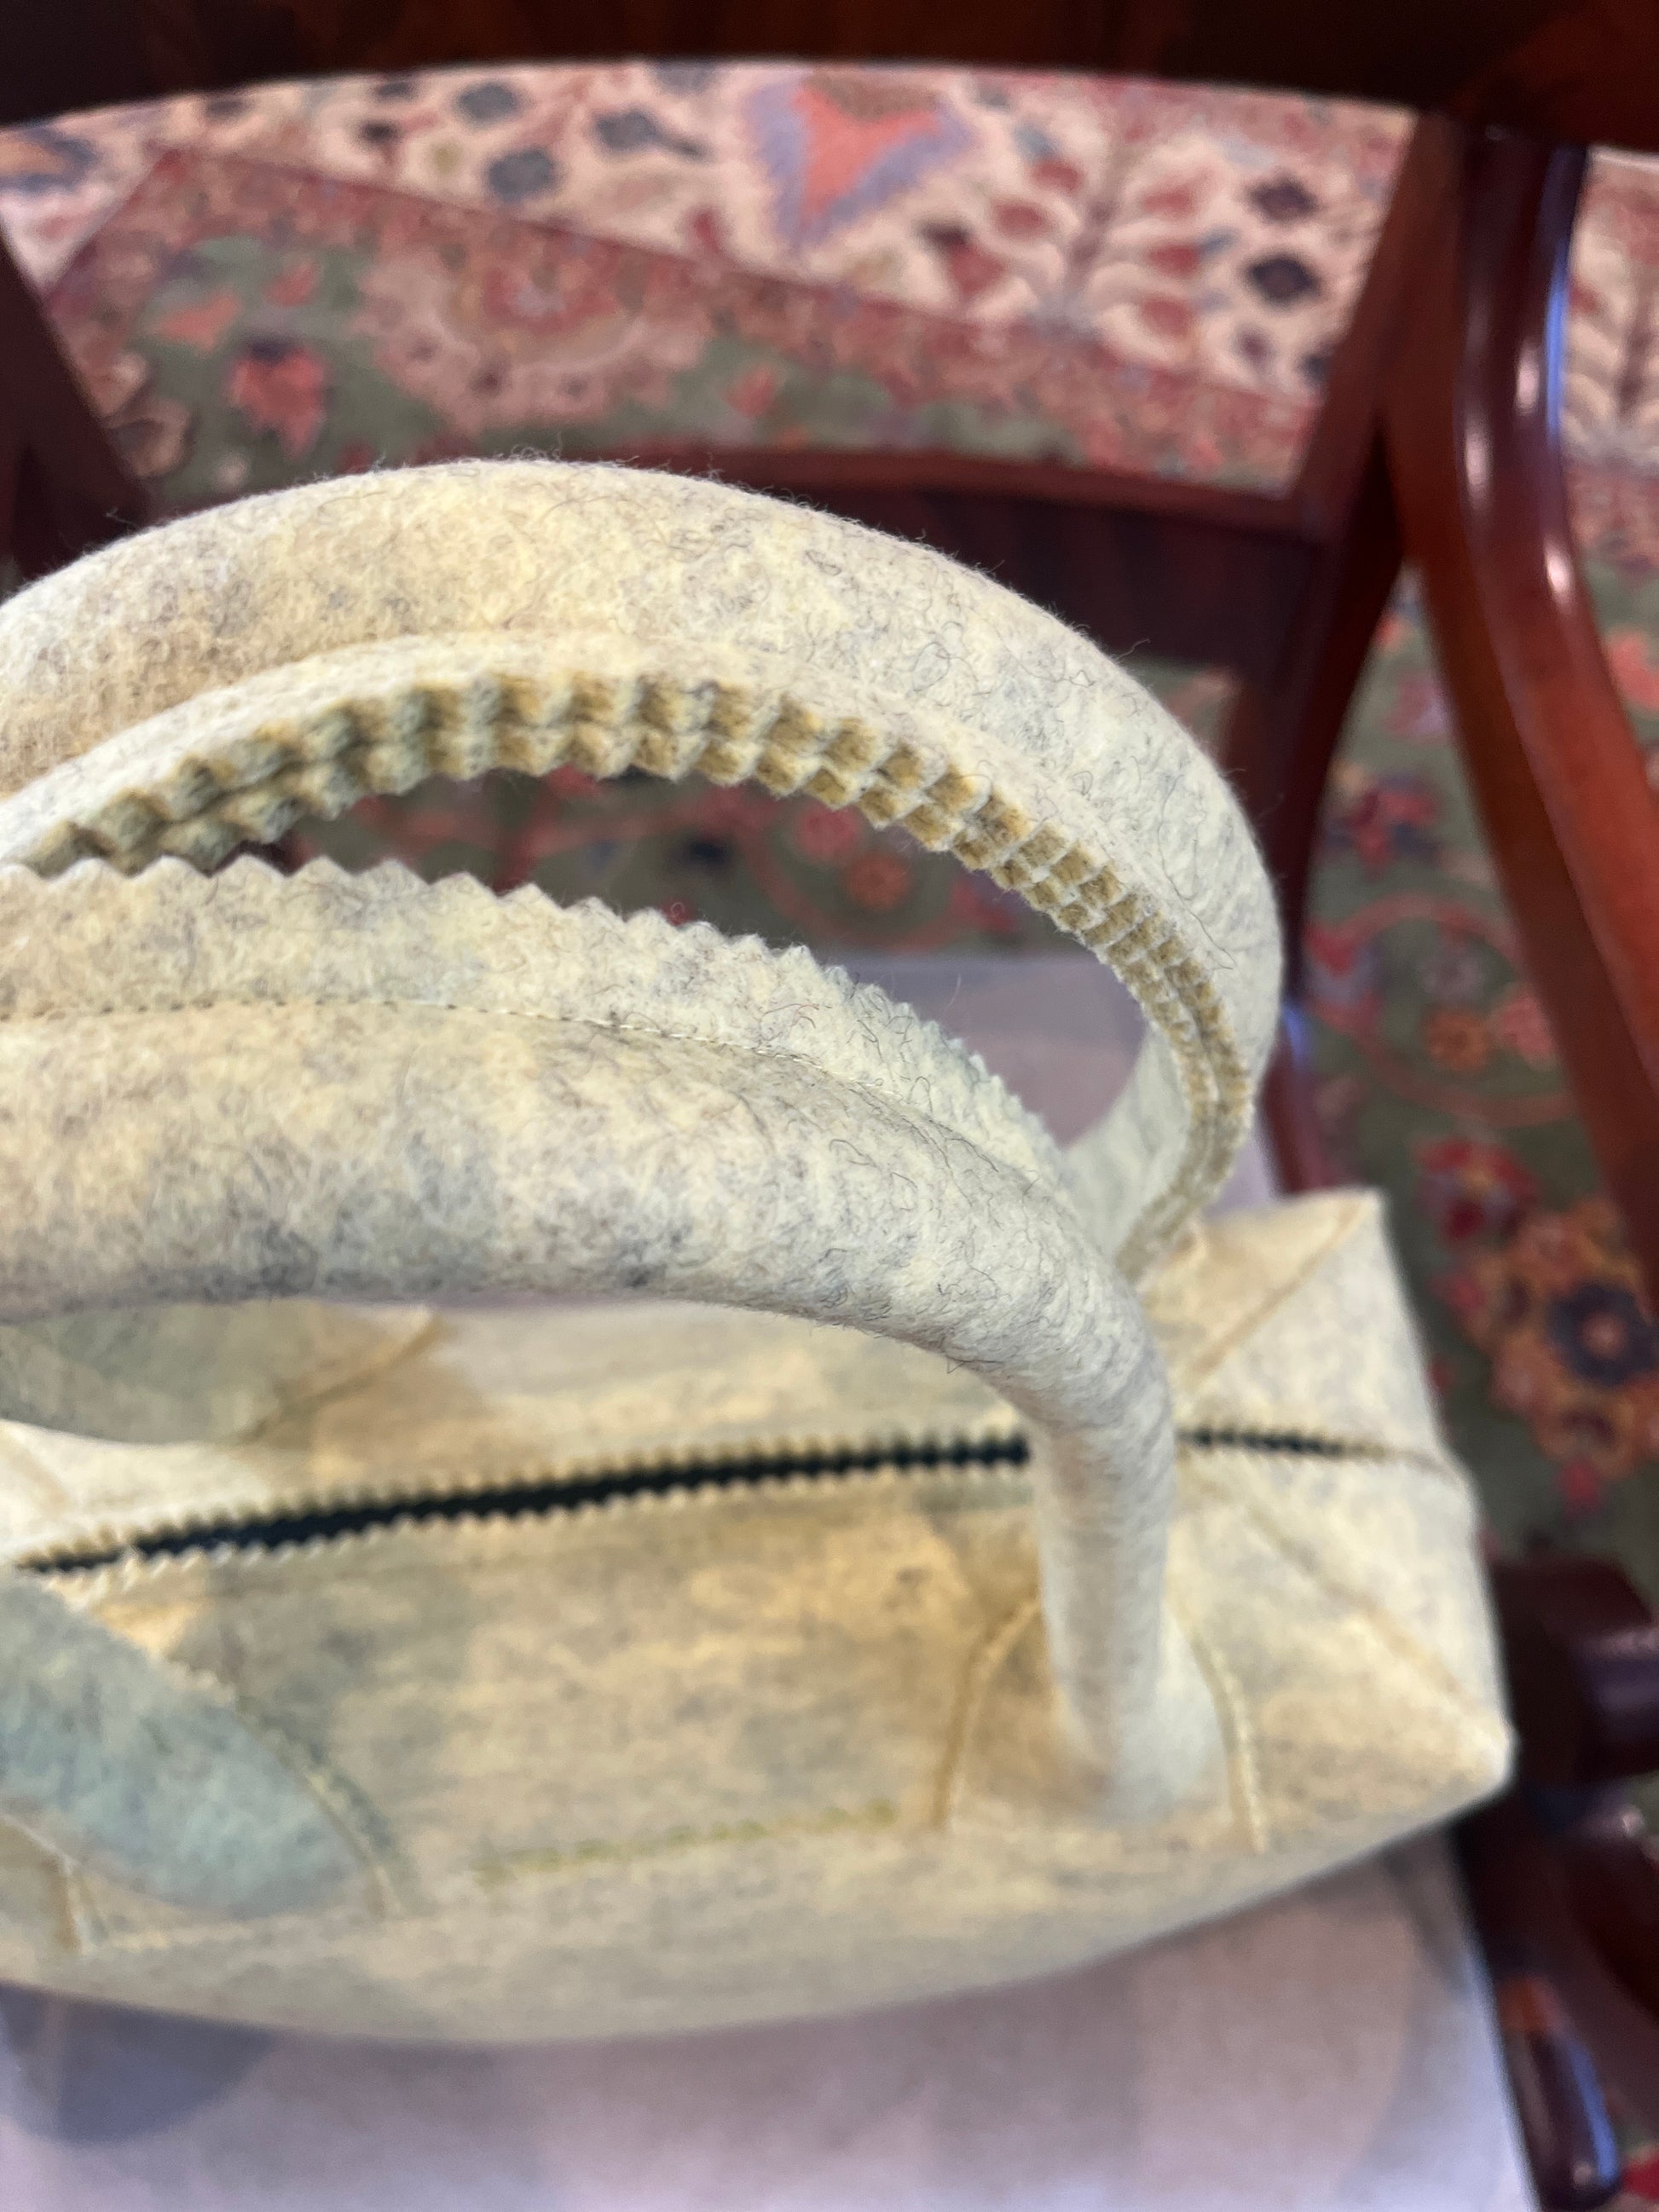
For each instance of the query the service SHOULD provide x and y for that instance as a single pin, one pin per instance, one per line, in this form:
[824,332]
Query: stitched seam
[87,1930]
[312,1397]
[1422,1662]
[1243,1761]
[319,1785]
[325,1924]
[312,1776]
[19,1461]
[468,726]
[1217,1350]
[981,1669]
[320,1926]
[78,1920]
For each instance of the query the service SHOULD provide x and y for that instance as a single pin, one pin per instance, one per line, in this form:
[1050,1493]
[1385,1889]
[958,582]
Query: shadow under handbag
[563,1477]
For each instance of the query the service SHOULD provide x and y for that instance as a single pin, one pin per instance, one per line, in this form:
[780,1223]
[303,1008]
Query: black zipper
[1279,1443]
[520,1500]
[517,1500]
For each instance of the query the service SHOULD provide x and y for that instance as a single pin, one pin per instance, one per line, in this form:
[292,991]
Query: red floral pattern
[1471,1187]
[281,387]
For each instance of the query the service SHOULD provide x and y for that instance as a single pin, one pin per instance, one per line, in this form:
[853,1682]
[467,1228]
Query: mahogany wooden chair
[1439,434]
[1562,1874]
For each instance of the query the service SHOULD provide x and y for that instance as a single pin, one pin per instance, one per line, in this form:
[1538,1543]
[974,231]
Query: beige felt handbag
[561,1477]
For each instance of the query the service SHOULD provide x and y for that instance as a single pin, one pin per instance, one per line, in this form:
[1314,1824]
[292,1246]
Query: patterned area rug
[315,279]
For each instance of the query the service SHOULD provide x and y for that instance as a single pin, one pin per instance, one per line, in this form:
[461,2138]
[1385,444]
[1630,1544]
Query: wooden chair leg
[1282,734]
[1277,748]
[1300,1158]
[1525,1924]
[65,487]
[1563,1878]
[1472,416]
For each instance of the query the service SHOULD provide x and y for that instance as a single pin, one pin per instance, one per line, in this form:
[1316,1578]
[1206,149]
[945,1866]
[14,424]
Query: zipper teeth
[1289,1444]
[619,1484]
[607,1486]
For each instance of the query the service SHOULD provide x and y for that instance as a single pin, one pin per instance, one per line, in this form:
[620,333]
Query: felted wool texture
[725,1756]
[852,1739]
[509,1106]
[544,611]
[166,1374]
[155,1778]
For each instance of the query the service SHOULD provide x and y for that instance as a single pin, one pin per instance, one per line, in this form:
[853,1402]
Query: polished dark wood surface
[1296,1141]
[1580,1652]
[1529,1934]
[1562,1876]
[1474,451]
[1562,1867]
[1612,1867]
[1282,732]
[824,473]
[64,487]
[1584,69]
[1422,209]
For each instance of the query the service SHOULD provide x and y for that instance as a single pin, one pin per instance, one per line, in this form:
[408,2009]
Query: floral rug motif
[1439,1079]
[1183,236]
[310,279]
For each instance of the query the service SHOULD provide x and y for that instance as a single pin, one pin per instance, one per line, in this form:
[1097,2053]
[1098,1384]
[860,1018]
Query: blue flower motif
[1282,279]
[627,131]
[523,175]
[1602,1335]
[488,102]
[1283,199]
[631,130]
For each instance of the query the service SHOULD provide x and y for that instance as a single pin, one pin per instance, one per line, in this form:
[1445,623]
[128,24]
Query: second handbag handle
[200,685]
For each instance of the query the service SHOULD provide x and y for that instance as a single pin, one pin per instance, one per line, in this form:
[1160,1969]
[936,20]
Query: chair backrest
[1583,70]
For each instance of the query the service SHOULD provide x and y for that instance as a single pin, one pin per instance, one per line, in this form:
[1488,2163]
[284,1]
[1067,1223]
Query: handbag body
[561,1476]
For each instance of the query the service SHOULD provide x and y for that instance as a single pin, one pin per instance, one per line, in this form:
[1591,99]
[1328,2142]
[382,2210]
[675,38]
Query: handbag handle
[200,685]
[365,1089]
